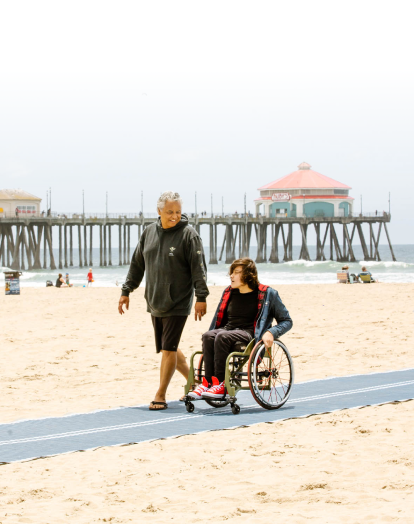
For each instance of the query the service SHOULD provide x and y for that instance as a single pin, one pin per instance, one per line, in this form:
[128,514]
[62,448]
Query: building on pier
[19,203]
[304,194]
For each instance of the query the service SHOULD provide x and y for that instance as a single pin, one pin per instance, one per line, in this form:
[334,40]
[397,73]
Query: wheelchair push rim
[270,374]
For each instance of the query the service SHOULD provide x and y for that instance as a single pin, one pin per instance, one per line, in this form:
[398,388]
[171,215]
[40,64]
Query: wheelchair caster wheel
[235,409]
[189,407]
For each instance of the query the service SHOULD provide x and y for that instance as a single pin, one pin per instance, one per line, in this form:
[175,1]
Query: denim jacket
[270,307]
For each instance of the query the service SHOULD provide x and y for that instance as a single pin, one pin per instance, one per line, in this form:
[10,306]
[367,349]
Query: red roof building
[304,193]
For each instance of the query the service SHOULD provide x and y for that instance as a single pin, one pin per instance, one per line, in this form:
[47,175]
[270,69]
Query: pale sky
[216,97]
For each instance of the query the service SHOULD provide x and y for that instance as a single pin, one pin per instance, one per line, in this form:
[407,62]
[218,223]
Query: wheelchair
[267,372]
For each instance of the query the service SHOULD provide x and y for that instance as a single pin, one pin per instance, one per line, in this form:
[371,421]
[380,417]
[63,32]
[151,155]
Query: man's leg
[167,335]
[182,365]
[168,366]
[223,346]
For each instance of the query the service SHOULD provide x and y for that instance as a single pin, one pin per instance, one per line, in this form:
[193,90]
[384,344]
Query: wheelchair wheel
[199,374]
[270,374]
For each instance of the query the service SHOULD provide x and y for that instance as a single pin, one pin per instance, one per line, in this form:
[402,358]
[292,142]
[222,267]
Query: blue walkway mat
[32,439]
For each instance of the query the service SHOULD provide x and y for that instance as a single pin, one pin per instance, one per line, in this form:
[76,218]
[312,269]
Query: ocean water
[295,272]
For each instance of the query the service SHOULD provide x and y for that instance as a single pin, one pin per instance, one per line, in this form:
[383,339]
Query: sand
[68,350]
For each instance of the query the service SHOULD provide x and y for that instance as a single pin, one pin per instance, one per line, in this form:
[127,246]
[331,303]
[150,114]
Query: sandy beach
[69,351]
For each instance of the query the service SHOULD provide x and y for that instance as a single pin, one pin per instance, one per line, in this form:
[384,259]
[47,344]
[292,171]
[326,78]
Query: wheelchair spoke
[270,375]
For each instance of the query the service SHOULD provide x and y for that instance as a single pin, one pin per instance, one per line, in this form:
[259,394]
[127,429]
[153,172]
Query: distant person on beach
[365,273]
[90,277]
[246,310]
[60,281]
[170,253]
[345,269]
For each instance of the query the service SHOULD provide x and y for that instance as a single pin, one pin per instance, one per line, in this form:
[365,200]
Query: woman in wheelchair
[246,310]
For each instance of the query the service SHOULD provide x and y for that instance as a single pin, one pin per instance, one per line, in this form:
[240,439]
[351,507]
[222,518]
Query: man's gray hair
[168,196]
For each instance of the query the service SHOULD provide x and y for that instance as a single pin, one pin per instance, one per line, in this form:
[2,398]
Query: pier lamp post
[389,204]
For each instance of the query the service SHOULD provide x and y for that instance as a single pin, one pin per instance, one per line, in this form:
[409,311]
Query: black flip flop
[154,403]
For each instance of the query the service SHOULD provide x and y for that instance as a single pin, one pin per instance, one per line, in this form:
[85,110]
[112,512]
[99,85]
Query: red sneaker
[199,390]
[217,390]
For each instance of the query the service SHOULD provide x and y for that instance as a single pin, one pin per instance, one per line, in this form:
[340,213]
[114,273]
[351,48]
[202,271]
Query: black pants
[217,345]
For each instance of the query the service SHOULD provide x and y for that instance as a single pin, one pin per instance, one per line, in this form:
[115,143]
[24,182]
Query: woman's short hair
[168,196]
[249,271]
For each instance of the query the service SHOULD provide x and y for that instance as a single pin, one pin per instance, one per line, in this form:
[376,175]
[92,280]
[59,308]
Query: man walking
[170,252]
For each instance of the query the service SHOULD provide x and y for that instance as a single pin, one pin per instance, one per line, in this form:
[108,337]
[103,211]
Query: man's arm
[135,273]
[199,276]
[134,277]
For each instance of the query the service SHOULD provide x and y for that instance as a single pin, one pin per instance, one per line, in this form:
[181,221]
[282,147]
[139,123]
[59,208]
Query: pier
[27,243]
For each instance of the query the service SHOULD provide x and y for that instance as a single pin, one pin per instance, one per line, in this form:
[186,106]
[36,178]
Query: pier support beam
[50,244]
[376,242]
[213,254]
[129,245]
[70,246]
[339,256]
[85,246]
[261,231]
[104,245]
[80,246]
[229,244]
[44,248]
[109,246]
[36,263]
[90,246]
[304,252]
[120,246]
[389,242]
[100,247]
[125,246]
[274,254]
[65,244]
[351,256]
[60,247]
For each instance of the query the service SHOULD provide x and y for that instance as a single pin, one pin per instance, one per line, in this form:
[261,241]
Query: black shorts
[168,331]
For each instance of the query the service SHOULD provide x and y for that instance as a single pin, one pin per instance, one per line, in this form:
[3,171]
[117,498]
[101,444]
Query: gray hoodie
[174,263]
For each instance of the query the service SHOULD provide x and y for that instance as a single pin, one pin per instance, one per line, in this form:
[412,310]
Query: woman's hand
[268,339]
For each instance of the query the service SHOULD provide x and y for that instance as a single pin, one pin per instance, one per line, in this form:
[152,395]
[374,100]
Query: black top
[58,282]
[174,266]
[242,310]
